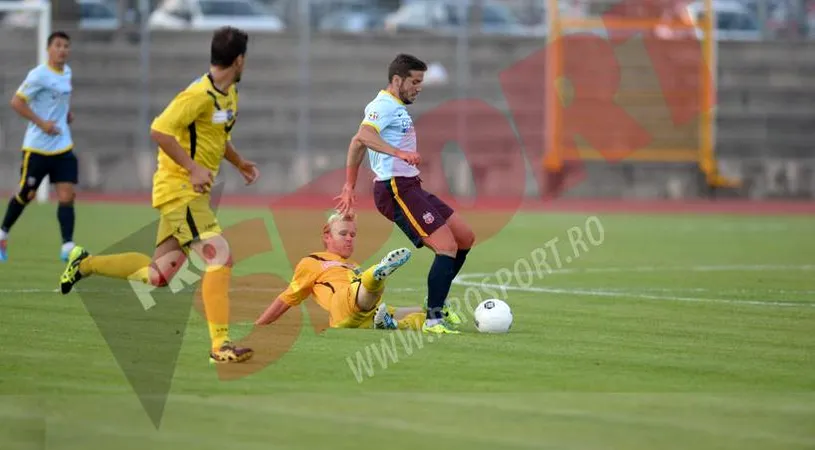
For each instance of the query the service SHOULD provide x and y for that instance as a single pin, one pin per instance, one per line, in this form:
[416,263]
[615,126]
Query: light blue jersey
[48,94]
[389,116]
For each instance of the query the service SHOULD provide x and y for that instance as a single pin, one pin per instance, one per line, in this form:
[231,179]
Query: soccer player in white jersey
[388,135]
[44,99]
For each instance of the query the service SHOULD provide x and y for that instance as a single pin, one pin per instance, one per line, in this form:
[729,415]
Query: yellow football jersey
[201,118]
[321,275]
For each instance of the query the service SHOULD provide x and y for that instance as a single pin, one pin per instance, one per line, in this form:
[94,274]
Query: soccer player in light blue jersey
[44,99]
[388,135]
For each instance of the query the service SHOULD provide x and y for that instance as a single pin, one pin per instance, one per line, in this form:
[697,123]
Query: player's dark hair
[57,35]
[403,64]
[227,44]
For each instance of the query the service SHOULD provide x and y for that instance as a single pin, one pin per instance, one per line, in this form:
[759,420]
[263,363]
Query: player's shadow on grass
[144,326]
[145,342]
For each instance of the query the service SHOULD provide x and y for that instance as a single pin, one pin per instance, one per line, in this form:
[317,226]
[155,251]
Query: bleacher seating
[764,97]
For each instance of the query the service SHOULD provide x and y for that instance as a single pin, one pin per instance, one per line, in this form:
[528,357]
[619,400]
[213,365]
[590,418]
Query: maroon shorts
[417,212]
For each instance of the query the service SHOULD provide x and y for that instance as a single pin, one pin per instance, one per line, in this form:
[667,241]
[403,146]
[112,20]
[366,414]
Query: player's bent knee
[442,241]
[155,277]
[66,198]
[29,195]
[466,240]
[216,252]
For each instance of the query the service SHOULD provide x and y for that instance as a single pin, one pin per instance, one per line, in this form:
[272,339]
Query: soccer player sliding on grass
[353,298]
[194,136]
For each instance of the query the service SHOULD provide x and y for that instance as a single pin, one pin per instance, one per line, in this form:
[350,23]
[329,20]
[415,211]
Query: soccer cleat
[3,254]
[440,328]
[392,261]
[230,353]
[450,316]
[71,275]
[65,251]
[383,320]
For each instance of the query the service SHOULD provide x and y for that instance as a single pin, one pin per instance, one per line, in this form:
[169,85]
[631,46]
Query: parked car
[443,16]
[211,14]
[93,15]
[734,21]
[353,17]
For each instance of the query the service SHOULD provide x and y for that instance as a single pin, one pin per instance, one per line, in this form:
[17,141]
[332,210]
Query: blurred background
[314,64]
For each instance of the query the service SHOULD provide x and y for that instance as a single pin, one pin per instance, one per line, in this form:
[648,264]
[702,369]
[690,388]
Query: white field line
[464,280]
[644,293]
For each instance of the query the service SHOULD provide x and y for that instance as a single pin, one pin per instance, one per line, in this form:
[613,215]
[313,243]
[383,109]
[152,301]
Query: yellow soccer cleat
[440,328]
[71,276]
[450,316]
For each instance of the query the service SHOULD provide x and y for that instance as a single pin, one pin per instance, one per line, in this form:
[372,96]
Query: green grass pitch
[667,332]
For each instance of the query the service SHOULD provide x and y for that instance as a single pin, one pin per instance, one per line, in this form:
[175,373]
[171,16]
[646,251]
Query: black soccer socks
[461,256]
[14,211]
[439,280]
[65,215]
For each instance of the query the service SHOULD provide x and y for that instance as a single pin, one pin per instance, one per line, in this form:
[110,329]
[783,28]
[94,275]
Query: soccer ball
[493,316]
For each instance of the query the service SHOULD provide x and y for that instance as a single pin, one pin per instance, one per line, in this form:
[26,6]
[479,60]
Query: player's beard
[403,96]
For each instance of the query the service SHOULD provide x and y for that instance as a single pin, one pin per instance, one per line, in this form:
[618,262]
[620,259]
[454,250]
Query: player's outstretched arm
[300,288]
[273,312]
[346,199]
[248,169]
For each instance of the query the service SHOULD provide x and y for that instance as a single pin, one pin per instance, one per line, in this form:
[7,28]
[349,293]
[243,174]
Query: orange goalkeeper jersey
[321,275]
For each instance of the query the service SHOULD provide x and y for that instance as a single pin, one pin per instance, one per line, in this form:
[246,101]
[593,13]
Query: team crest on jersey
[222,116]
[428,218]
[406,124]
[373,115]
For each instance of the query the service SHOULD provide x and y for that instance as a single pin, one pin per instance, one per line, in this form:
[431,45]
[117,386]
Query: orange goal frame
[704,155]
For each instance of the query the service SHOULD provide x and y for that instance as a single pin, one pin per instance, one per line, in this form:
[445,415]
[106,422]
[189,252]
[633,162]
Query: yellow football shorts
[345,312]
[187,220]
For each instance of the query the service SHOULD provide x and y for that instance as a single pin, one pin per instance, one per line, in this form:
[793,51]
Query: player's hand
[411,158]
[201,178]
[70,117]
[345,200]
[249,171]
[50,127]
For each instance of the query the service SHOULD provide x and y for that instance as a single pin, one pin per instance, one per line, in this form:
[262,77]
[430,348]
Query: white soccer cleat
[383,320]
[392,261]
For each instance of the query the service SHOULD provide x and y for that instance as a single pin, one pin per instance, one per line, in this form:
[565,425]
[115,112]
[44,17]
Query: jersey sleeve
[305,274]
[181,112]
[30,86]
[378,115]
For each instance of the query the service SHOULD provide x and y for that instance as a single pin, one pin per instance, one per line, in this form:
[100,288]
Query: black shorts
[417,212]
[61,168]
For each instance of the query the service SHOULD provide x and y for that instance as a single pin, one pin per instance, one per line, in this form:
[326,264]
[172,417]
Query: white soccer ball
[493,316]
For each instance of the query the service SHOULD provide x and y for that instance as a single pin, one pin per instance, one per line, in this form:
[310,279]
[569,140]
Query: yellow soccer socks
[215,292]
[412,321]
[370,283]
[124,266]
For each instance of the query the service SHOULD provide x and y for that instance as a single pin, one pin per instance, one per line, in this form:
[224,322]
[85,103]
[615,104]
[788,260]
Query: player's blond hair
[337,217]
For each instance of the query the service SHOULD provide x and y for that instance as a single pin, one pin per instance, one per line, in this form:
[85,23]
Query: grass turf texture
[675,332]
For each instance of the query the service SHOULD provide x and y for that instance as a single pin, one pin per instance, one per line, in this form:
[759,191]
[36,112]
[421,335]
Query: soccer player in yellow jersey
[352,297]
[194,135]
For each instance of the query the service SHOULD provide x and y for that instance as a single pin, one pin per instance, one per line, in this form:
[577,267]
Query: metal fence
[314,65]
